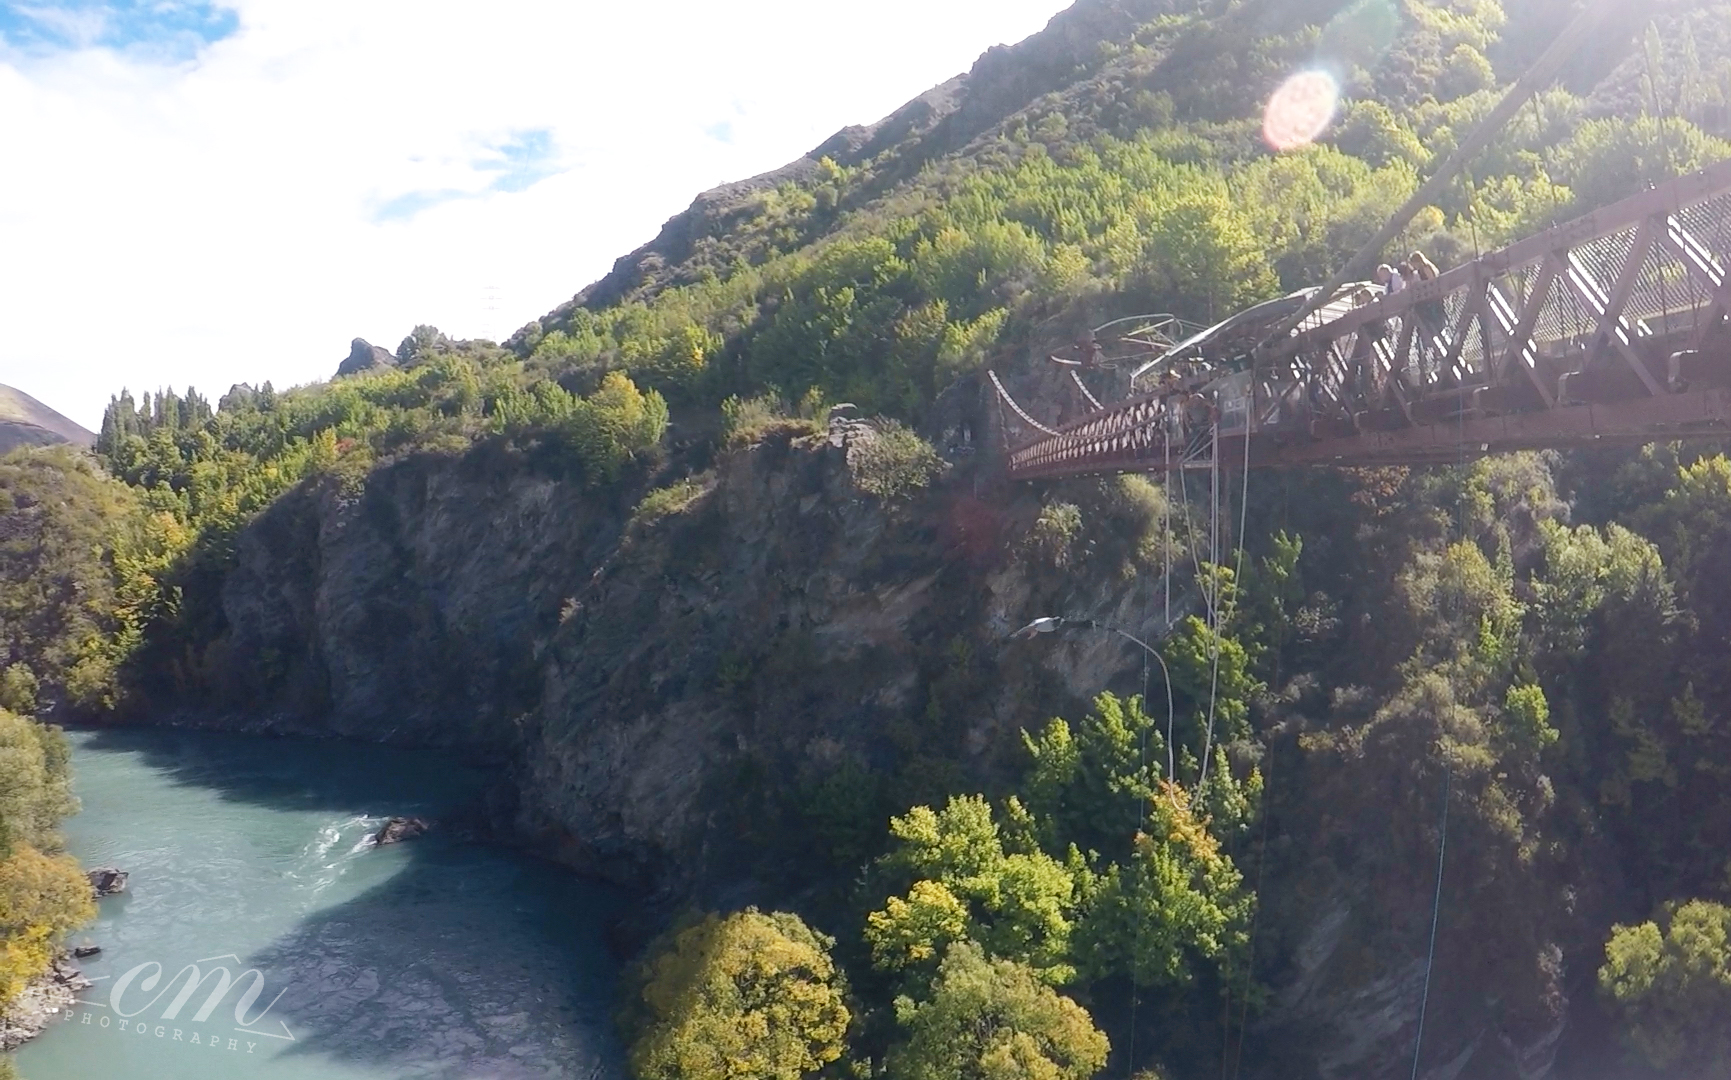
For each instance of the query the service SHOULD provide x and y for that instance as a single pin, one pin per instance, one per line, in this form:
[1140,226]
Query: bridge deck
[1610,329]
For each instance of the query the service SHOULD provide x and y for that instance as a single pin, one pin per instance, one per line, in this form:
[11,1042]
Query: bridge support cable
[1166,541]
[1237,582]
[1082,386]
[1004,395]
[1435,917]
[1215,621]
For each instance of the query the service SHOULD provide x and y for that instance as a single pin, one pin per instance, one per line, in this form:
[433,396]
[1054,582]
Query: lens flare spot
[1300,110]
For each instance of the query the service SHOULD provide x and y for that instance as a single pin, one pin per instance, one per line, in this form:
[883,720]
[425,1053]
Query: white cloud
[231,218]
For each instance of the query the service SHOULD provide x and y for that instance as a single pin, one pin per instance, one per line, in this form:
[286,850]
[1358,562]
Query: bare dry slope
[24,421]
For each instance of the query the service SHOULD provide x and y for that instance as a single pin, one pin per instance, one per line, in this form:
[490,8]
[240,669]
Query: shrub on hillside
[745,421]
[667,501]
[893,462]
[1055,533]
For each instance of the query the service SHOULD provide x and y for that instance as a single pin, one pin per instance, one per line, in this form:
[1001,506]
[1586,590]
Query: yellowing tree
[41,898]
[994,1020]
[746,996]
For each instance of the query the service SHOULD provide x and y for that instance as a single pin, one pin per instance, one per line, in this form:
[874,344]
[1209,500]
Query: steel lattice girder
[1520,300]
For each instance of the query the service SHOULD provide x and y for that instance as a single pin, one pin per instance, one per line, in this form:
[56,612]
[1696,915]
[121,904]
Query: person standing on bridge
[1364,359]
[1432,315]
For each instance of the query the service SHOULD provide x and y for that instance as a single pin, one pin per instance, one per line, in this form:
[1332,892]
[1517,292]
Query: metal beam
[1698,261]
[1520,331]
[1587,290]
[1118,438]
[1683,191]
[1403,347]
[1463,322]
[1611,319]
[1702,413]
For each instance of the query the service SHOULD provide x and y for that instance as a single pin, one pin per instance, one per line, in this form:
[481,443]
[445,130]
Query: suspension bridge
[1609,330]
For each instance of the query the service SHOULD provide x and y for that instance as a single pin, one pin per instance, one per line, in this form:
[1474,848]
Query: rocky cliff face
[780,621]
[412,609]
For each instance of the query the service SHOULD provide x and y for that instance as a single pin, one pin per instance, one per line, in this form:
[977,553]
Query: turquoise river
[426,959]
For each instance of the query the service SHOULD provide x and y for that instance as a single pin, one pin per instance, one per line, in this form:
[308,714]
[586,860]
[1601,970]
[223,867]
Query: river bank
[45,999]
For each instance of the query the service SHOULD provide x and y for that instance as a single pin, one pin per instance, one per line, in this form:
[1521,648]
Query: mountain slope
[24,421]
[722,640]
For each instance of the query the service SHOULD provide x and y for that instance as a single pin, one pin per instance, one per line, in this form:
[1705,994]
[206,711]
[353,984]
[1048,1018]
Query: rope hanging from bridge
[1004,396]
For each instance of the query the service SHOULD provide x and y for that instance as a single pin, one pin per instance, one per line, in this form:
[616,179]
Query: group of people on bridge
[1363,385]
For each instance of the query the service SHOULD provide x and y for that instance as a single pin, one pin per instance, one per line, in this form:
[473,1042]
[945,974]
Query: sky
[205,193]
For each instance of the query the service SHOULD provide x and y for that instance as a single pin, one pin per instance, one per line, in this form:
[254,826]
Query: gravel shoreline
[44,1000]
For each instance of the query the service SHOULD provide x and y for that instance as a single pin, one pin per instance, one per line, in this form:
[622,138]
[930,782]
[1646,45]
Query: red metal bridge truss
[1608,330]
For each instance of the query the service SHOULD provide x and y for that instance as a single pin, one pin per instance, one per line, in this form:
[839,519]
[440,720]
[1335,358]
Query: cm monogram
[140,989]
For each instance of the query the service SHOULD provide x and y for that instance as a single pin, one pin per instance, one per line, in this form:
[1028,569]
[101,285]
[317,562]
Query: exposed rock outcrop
[107,881]
[364,356]
[782,620]
[398,829]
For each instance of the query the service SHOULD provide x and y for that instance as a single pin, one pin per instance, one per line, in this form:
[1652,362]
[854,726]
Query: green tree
[43,894]
[1201,255]
[59,609]
[1669,982]
[18,688]
[892,462]
[747,995]
[1177,902]
[963,883]
[1613,157]
[1088,786]
[615,422]
[994,1020]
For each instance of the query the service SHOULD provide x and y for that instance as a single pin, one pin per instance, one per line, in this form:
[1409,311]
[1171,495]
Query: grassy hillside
[24,421]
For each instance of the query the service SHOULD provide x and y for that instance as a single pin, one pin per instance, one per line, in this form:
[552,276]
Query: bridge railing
[1644,271]
[1591,310]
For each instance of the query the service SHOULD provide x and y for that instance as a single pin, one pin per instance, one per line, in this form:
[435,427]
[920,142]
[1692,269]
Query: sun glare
[1300,110]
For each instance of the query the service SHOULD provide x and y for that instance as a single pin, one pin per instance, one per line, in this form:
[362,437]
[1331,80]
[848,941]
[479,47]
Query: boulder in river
[398,829]
[83,951]
[106,880]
